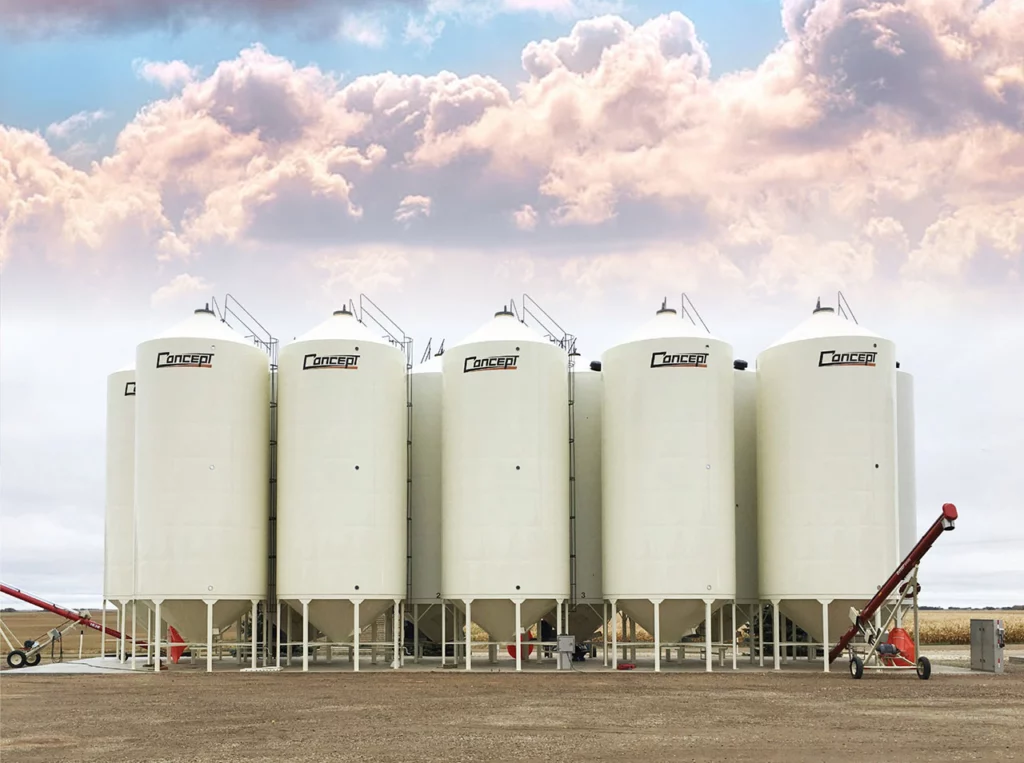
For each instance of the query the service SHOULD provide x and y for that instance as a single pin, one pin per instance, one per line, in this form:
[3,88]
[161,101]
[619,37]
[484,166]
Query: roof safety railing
[686,312]
[840,301]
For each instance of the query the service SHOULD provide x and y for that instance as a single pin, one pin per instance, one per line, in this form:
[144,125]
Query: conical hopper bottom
[293,628]
[498,616]
[142,610]
[582,623]
[806,613]
[189,617]
[677,616]
[743,617]
[335,618]
[430,622]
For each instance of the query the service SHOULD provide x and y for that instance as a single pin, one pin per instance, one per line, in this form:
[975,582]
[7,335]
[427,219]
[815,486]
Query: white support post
[239,635]
[397,661]
[356,633]
[750,618]
[416,633]
[469,634]
[735,646]
[305,635]
[444,634]
[401,619]
[252,627]
[721,637]
[760,634]
[209,636]
[632,640]
[123,617]
[156,640]
[625,637]
[558,628]
[707,635]
[604,636]
[657,635]
[824,630]
[776,649]
[615,633]
[519,635]
[277,636]
[149,634]
[288,637]
[135,609]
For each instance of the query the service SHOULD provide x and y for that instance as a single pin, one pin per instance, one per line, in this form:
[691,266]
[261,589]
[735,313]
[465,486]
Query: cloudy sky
[443,156]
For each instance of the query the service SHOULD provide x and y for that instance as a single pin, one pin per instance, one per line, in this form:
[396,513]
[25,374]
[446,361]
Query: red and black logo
[833,358]
[679,360]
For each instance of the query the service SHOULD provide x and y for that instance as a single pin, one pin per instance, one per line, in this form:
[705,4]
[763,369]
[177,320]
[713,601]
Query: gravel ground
[432,716]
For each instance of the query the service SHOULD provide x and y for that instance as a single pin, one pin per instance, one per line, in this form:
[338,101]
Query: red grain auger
[899,651]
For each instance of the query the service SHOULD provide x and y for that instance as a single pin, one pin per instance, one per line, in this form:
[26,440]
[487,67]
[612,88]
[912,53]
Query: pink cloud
[167,74]
[829,159]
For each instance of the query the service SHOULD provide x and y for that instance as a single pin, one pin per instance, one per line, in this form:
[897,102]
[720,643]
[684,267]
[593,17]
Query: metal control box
[988,637]
[566,651]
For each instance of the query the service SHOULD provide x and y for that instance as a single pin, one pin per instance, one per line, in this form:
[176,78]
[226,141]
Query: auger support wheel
[924,668]
[16,658]
[856,667]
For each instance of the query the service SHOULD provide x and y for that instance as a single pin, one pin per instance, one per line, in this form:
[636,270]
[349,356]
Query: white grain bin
[341,485]
[119,519]
[745,428]
[827,484]
[505,475]
[668,475]
[588,613]
[424,605]
[907,459]
[202,436]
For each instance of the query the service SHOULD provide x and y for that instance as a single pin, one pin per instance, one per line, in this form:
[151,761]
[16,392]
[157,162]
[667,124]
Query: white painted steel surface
[907,459]
[427,387]
[588,394]
[201,462]
[828,526]
[341,483]
[745,427]
[588,388]
[119,519]
[668,474]
[505,474]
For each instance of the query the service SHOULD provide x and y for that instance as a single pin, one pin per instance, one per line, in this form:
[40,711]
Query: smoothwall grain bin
[668,476]
[119,518]
[505,474]
[424,605]
[341,499]
[907,459]
[202,480]
[745,428]
[828,526]
[585,615]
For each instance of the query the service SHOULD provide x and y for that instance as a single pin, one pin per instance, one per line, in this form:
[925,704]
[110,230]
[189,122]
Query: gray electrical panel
[988,637]
[566,650]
